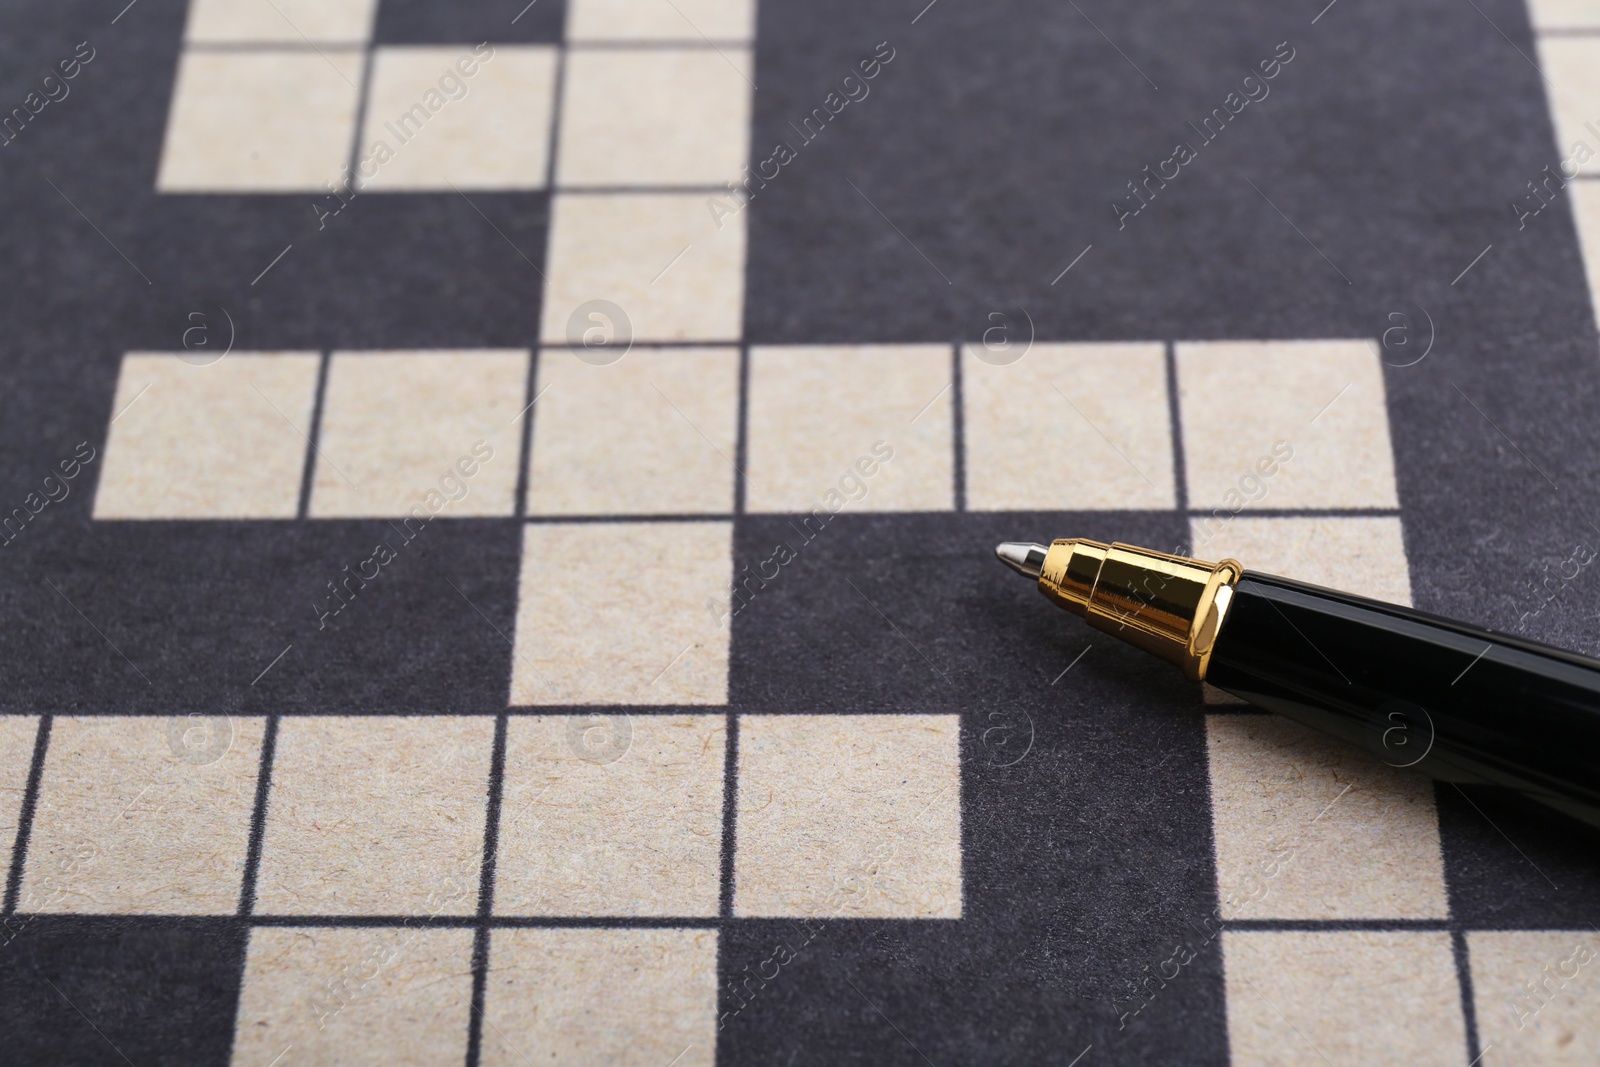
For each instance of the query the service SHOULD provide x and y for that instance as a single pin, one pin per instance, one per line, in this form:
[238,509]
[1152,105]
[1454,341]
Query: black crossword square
[1510,865]
[826,991]
[982,159]
[324,270]
[402,271]
[904,612]
[445,22]
[199,614]
[117,990]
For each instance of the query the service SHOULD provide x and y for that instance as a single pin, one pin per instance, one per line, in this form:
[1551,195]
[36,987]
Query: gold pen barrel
[1170,606]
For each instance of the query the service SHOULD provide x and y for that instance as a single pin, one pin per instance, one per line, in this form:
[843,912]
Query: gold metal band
[1170,606]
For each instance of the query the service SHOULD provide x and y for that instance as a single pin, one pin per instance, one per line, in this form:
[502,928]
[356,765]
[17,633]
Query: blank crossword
[751,759]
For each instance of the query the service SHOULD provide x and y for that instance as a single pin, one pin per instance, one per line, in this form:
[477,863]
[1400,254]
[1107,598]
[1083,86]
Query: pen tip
[1024,557]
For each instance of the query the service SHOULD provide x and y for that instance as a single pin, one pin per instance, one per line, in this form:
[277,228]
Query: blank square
[448,117]
[1245,402]
[224,441]
[1309,828]
[654,433]
[1361,555]
[143,815]
[376,815]
[1572,75]
[280,21]
[693,21]
[1348,996]
[654,117]
[260,122]
[581,996]
[849,816]
[623,613]
[612,815]
[1100,410]
[1563,15]
[420,433]
[354,995]
[1535,992]
[676,273]
[822,417]
[17,734]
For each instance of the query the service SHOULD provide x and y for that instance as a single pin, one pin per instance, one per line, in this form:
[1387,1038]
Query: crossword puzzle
[525,592]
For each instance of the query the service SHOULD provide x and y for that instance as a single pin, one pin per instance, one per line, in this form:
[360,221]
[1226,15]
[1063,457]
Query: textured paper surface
[419,433]
[1365,556]
[825,419]
[602,996]
[612,815]
[280,21]
[1534,992]
[143,815]
[1088,407]
[591,632]
[316,995]
[1309,828]
[453,119]
[1345,997]
[1323,399]
[262,122]
[219,441]
[1034,802]
[654,433]
[659,256]
[849,815]
[683,115]
[379,815]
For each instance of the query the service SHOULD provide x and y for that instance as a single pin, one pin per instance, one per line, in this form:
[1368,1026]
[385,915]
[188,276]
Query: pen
[1460,703]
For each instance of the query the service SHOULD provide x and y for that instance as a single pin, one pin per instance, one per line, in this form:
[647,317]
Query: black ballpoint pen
[1459,703]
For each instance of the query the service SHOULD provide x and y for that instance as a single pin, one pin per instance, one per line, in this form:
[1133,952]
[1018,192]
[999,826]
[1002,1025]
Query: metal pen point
[1024,557]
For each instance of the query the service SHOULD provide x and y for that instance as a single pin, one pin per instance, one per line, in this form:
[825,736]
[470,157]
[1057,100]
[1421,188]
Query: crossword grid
[603,463]
[1359,550]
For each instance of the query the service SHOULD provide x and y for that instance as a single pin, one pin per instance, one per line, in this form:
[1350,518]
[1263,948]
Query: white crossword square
[654,117]
[849,815]
[1100,408]
[225,440]
[261,121]
[1313,411]
[865,427]
[585,635]
[293,22]
[601,996]
[654,433]
[460,117]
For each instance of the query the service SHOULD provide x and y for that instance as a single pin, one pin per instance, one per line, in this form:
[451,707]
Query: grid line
[525,435]
[741,444]
[308,470]
[1469,1009]
[730,813]
[1180,477]
[958,438]
[30,803]
[363,100]
[557,95]
[258,823]
[486,886]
